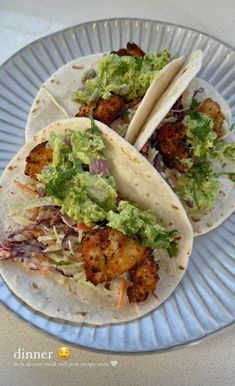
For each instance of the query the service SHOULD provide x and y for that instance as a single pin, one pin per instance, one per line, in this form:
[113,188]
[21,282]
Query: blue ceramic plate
[204,302]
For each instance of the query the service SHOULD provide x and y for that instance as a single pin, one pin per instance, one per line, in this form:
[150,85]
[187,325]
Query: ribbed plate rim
[113,19]
[54,34]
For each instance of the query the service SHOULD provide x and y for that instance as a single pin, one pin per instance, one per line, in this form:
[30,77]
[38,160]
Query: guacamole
[200,134]
[199,187]
[83,196]
[126,76]
[131,221]
[90,197]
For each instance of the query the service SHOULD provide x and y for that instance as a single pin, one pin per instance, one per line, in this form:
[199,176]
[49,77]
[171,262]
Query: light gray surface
[207,364]
[210,363]
[26,20]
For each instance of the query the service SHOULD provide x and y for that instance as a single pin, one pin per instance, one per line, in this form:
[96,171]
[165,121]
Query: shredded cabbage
[22,220]
[30,204]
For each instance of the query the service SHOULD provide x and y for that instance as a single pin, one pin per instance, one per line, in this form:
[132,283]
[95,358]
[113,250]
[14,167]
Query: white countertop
[208,363]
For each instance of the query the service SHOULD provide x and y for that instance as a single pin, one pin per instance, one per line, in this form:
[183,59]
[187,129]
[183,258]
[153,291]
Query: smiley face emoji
[64,353]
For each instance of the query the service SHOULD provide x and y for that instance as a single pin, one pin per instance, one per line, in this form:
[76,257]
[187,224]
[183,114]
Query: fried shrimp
[40,156]
[213,110]
[131,50]
[86,110]
[108,253]
[172,146]
[105,111]
[108,110]
[144,277]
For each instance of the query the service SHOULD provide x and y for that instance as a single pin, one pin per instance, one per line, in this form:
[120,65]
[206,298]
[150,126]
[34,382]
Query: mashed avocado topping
[200,133]
[126,76]
[203,139]
[91,198]
[131,221]
[83,196]
[199,187]
[223,151]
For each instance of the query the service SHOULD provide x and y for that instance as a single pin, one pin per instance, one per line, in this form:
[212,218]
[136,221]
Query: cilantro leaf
[133,221]
[203,126]
[173,249]
[195,103]
[200,185]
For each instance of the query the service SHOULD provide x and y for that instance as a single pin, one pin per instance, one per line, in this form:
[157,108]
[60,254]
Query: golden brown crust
[144,277]
[86,110]
[213,110]
[108,253]
[105,111]
[40,156]
[108,110]
[172,146]
[131,50]
[121,52]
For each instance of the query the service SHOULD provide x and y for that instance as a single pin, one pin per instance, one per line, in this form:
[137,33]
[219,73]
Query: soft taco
[189,140]
[89,231]
[118,89]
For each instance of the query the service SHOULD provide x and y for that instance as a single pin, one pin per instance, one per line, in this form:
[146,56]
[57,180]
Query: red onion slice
[98,166]
[146,147]
[67,141]
[157,162]
[190,203]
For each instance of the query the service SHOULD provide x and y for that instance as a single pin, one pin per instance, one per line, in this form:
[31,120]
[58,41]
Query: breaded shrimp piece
[172,146]
[134,50]
[40,156]
[144,277]
[213,110]
[86,110]
[106,110]
[108,253]
[131,50]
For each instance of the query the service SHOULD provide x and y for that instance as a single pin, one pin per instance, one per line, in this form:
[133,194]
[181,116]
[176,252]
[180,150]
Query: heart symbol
[114,363]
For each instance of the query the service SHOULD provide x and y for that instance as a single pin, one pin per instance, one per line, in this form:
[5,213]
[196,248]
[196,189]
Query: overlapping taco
[118,89]
[89,231]
[188,138]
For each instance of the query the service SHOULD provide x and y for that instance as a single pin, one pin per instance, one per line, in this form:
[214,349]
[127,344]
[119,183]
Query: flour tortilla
[60,85]
[202,221]
[68,79]
[188,72]
[60,297]
[153,94]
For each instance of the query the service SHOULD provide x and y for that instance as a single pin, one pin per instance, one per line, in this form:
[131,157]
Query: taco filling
[113,93]
[79,225]
[185,147]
